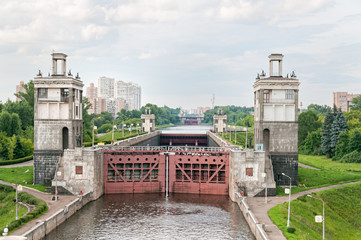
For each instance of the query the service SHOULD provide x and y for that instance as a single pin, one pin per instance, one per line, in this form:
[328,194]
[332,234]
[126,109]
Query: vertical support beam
[280,68]
[63,66]
[55,67]
[271,68]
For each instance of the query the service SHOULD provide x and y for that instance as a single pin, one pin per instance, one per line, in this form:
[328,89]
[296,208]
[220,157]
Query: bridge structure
[191,119]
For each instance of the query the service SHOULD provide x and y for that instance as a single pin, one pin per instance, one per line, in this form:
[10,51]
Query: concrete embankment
[44,227]
[253,223]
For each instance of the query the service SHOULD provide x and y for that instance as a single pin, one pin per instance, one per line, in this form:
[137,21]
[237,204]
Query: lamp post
[246,137]
[137,128]
[323,215]
[131,129]
[235,139]
[230,132]
[123,126]
[113,133]
[16,197]
[289,201]
[94,128]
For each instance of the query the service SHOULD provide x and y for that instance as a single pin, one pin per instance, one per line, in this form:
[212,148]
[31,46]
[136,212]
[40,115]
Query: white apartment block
[130,92]
[106,87]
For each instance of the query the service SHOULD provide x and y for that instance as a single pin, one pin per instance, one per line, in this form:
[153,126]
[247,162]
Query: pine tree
[327,133]
[339,125]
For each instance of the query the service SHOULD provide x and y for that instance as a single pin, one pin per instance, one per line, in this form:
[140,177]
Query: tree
[356,103]
[307,122]
[5,126]
[318,109]
[15,124]
[312,143]
[24,110]
[339,125]
[28,95]
[342,147]
[355,141]
[327,133]
[87,128]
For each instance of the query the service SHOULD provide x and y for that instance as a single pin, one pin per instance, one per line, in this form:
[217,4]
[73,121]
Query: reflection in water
[196,129]
[151,216]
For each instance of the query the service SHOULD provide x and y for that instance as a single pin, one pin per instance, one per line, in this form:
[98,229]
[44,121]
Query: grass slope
[7,208]
[26,179]
[322,162]
[342,215]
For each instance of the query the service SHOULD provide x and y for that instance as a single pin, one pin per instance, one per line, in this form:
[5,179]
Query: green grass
[118,135]
[7,208]
[322,162]
[342,214]
[240,138]
[26,179]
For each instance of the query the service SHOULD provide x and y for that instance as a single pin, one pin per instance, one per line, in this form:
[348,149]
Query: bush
[352,157]
[15,161]
[291,230]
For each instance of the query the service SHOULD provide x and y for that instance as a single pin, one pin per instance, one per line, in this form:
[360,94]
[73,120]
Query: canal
[152,216]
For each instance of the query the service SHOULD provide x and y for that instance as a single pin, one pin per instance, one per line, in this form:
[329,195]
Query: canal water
[152,216]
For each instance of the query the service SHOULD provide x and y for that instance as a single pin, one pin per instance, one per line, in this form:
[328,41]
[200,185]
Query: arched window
[65,138]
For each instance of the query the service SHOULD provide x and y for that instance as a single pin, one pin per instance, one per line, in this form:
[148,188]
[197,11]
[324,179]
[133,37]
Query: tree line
[240,116]
[336,134]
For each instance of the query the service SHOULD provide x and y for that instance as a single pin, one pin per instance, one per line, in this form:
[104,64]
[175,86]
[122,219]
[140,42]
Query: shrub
[291,230]
[15,161]
[352,157]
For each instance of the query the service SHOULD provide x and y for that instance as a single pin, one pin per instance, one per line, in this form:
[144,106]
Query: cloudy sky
[182,52]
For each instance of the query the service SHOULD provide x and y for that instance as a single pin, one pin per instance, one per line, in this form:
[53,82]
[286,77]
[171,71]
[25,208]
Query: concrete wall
[45,227]
[153,139]
[215,141]
[239,162]
[44,165]
[81,171]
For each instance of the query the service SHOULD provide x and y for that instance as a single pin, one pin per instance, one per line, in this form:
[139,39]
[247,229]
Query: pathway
[260,209]
[306,166]
[28,163]
[53,206]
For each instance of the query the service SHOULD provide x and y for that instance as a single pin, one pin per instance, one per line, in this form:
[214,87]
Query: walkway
[28,163]
[260,209]
[53,206]
[306,166]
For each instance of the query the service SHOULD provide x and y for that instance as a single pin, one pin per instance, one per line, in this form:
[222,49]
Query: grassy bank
[342,214]
[26,179]
[240,138]
[7,206]
[322,162]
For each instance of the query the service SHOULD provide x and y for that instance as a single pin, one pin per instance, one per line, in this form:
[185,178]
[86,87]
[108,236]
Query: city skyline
[183,52]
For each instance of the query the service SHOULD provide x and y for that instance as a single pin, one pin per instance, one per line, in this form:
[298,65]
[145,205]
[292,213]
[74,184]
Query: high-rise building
[343,100]
[106,87]
[130,92]
[92,94]
[20,88]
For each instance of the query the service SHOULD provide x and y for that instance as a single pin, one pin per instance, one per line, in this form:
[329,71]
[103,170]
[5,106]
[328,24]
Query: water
[151,216]
[192,129]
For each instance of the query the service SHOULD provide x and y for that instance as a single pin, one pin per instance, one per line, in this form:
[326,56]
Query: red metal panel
[144,172]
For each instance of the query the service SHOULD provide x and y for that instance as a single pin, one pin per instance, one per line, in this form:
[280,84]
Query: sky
[182,52]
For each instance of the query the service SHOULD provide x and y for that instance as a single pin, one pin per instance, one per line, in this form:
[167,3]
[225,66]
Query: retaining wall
[254,225]
[45,227]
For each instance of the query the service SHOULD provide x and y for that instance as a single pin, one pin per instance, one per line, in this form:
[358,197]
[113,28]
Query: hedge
[40,208]
[15,161]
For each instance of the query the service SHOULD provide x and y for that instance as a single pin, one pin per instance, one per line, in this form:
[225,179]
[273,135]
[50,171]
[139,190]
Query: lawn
[342,214]
[26,179]
[322,162]
[118,135]
[240,138]
[7,207]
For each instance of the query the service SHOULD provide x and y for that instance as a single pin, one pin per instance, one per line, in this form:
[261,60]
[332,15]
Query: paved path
[260,209]
[28,163]
[53,206]
[306,166]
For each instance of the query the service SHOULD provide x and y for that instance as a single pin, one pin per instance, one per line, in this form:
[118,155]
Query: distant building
[343,100]
[20,88]
[130,92]
[202,110]
[106,87]
[114,105]
[91,95]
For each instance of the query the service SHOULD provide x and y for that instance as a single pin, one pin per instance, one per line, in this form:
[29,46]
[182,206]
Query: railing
[164,148]
[196,149]
[140,148]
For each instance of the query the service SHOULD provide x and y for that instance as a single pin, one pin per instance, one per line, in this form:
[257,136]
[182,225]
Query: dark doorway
[266,136]
[65,138]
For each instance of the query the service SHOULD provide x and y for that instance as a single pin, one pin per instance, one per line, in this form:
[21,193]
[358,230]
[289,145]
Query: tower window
[65,94]
[43,93]
[290,94]
[266,96]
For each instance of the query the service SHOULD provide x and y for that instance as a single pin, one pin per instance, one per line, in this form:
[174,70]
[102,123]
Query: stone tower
[148,121]
[219,121]
[276,119]
[57,117]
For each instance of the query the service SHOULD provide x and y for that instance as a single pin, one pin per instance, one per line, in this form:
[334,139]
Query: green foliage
[318,109]
[355,141]
[11,147]
[234,115]
[352,157]
[342,147]
[87,127]
[339,125]
[105,128]
[307,122]
[291,230]
[28,95]
[28,133]
[356,103]
[15,161]
[312,143]
[23,109]
[322,162]
[240,138]
[327,134]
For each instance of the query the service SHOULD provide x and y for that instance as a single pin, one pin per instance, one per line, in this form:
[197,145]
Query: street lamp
[137,129]
[131,129]
[94,128]
[16,197]
[235,139]
[246,137]
[289,201]
[323,215]
[113,133]
[123,126]
[230,132]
